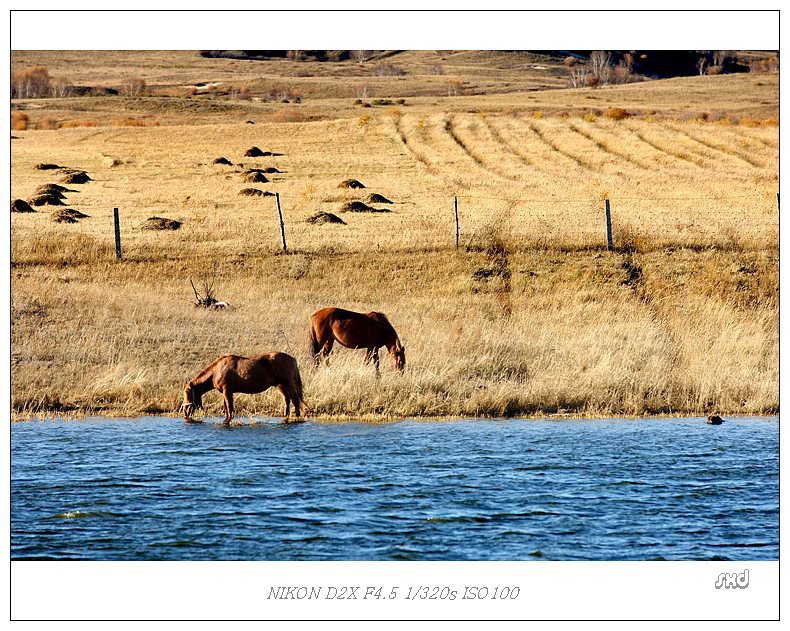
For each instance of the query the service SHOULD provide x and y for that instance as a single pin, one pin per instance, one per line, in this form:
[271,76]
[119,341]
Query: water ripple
[152,488]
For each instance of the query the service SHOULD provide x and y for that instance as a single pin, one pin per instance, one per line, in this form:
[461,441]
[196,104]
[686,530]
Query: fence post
[609,245]
[282,225]
[457,229]
[117,234]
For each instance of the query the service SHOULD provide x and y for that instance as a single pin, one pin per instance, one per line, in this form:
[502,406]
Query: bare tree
[720,57]
[577,76]
[600,65]
[133,87]
[454,87]
[209,299]
[60,87]
[388,70]
[30,83]
[628,62]
[702,65]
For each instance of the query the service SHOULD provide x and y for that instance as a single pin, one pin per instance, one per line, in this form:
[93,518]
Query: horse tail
[315,347]
[298,391]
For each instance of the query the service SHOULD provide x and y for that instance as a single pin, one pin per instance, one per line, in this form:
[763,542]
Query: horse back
[349,328]
[254,374]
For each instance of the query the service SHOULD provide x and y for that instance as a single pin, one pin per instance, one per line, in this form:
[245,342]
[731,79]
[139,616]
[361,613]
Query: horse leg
[297,405]
[327,348]
[376,359]
[286,395]
[228,406]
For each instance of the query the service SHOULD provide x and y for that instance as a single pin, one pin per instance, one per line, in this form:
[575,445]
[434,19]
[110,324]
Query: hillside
[530,315]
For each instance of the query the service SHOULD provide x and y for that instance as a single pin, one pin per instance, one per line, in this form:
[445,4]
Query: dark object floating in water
[375,198]
[46,166]
[351,184]
[323,217]
[21,206]
[47,199]
[714,419]
[78,177]
[361,207]
[222,160]
[67,215]
[160,223]
[252,192]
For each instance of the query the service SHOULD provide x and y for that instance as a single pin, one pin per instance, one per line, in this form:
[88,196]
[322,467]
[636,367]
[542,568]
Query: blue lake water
[157,488]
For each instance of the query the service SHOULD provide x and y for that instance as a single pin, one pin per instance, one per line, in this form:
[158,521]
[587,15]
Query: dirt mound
[46,166]
[67,215]
[41,191]
[255,152]
[375,198]
[222,160]
[361,207]
[47,199]
[160,223]
[351,184]
[53,188]
[322,217]
[21,206]
[255,176]
[253,192]
[78,177]
[260,170]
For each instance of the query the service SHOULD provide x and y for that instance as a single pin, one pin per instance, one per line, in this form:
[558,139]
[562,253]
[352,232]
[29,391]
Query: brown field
[530,316]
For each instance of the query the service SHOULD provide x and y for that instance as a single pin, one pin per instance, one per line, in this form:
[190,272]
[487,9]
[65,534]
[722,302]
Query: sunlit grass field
[530,315]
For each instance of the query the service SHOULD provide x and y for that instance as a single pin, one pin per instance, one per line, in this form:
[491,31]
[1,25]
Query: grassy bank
[588,332]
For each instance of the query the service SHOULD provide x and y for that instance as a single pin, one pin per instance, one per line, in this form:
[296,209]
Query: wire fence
[468,218]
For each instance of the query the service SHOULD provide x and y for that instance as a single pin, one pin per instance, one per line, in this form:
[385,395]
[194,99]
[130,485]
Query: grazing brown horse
[354,330]
[249,375]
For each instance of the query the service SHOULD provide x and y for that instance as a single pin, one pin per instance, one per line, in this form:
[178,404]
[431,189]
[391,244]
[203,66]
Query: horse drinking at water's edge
[249,375]
[354,330]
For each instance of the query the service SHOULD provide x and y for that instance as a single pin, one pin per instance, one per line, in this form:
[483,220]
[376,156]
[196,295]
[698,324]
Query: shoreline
[382,420]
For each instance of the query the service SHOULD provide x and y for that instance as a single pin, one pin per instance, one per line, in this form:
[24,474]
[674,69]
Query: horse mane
[387,329]
[207,373]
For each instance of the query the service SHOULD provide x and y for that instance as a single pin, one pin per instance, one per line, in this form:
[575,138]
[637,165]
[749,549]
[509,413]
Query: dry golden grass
[530,316]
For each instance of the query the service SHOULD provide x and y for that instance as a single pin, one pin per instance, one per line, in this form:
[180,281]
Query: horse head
[192,401]
[398,353]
